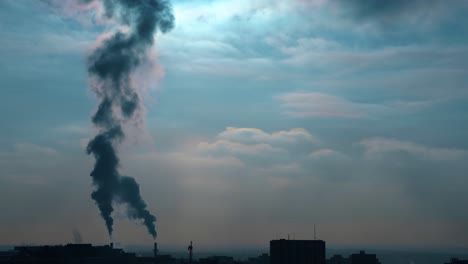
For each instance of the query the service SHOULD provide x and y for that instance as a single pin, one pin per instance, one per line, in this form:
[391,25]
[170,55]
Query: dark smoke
[110,67]
[77,237]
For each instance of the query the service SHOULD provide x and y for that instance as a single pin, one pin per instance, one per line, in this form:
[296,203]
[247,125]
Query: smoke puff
[110,67]
[130,193]
[77,239]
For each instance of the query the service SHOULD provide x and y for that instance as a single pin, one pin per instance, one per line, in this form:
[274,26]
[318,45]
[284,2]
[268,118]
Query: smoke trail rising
[110,67]
[77,239]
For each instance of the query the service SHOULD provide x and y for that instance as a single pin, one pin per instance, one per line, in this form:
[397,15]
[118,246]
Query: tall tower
[190,249]
[155,251]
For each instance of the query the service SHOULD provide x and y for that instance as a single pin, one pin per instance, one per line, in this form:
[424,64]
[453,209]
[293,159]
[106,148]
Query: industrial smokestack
[155,252]
[111,245]
[190,249]
[111,66]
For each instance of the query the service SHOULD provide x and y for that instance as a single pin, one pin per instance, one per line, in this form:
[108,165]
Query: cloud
[28,148]
[375,147]
[29,163]
[304,45]
[326,153]
[260,148]
[315,104]
[318,105]
[250,148]
[192,159]
[386,12]
[209,37]
[74,129]
[229,147]
[282,153]
[250,135]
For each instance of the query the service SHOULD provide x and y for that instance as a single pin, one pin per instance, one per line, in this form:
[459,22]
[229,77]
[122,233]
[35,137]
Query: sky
[263,118]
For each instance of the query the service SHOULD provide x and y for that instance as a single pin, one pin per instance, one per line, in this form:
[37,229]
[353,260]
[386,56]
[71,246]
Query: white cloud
[229,147]
[318,105]
[379,146]
[192,159]
[251,135]
[74,129]
[28,148]
[280,152]
[314,104]
[315,52]
[325,153]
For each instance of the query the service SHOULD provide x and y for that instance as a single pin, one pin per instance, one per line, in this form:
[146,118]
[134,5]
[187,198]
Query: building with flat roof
[338,259]
[297,251]
[71,253]
[364,258]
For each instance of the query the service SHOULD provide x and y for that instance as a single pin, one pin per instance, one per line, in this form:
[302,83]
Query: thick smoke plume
[110,67]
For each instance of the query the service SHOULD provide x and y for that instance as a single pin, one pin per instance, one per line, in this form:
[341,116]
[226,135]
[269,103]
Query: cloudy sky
[263,118]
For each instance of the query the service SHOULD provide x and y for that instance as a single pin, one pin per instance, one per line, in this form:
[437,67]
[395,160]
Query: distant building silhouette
[281,252]
[338,259]
[297,251]
[457,261]
[217,260]
[80,253]
[5,257]
[363,258]
[262,259]
[71,253]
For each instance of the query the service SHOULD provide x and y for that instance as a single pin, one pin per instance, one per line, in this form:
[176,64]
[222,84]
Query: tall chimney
[155,251]
[111,245]
[190,248]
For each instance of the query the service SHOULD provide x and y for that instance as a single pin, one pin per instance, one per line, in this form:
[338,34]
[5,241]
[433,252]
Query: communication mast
[315,233]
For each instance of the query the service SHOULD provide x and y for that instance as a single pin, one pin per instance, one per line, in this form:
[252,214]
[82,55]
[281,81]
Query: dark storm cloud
[110,67]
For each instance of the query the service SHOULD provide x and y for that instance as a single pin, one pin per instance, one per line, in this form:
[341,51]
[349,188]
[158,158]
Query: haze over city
[235,122]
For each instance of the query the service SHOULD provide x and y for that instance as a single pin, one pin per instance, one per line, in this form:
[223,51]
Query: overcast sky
[263,118]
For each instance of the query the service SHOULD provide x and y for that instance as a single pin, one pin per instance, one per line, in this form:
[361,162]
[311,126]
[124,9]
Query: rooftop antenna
[315,233]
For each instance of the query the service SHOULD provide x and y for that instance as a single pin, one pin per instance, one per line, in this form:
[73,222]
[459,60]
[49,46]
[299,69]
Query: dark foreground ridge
[282,251]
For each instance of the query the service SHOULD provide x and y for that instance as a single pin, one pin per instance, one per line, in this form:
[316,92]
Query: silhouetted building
[338,259]
[159,259]
[363,258]
[217,260]
[297,251]
[262,259]
[6,256]
[71,253]
[457,261]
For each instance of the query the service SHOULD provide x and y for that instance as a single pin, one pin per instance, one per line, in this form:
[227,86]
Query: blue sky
[262,118]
